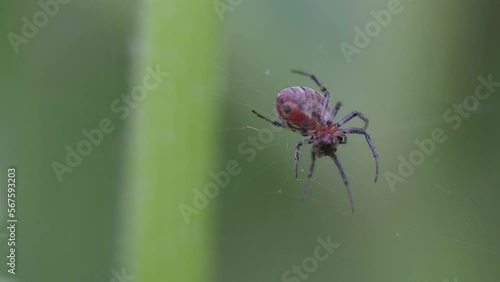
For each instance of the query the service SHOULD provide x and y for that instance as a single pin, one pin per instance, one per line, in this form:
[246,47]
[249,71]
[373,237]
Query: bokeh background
[117,216]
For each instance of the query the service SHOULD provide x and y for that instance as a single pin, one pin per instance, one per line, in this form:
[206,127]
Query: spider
[304,110]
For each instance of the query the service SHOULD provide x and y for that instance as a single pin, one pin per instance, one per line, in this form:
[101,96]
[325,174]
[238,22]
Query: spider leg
[321,87]
[344,177]
[335,110]
[309,175]
[276,123]
[297,151]
[352,115]
[355,130]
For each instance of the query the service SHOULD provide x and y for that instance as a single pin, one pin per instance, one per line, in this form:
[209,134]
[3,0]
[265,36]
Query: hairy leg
[344,178]
[352,115]
[335,110]
[297,152]
[276,123]
[321,87]
[309,175]
[355,130]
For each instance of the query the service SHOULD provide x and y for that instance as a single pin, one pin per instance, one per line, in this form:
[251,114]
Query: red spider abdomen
[298,117]
[299,107]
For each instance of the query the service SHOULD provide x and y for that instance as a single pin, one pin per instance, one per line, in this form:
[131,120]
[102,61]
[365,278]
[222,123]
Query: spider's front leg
[355,130]
[335,110]
[297,153]
[352,115]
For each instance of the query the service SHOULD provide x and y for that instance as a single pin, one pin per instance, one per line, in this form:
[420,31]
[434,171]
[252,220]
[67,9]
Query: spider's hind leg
[315,79]
[321,87]
[273,122]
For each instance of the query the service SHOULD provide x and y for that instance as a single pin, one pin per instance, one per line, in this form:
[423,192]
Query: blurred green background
[131,209]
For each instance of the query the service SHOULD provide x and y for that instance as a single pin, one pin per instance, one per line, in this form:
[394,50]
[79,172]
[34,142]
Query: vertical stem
[174,142]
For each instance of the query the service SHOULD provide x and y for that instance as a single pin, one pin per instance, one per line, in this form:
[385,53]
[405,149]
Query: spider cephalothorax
[305,110]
